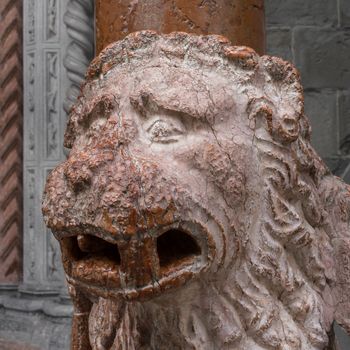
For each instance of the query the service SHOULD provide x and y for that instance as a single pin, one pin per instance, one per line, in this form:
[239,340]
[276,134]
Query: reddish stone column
[10,141]
[241,21]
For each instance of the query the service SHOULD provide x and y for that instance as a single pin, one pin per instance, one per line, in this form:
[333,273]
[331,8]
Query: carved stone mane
[192,211]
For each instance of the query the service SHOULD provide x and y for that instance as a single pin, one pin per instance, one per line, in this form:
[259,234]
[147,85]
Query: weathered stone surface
[346,172]
[322,55]
[279,43]
[342,337]
[344,121]
[14,345]
[321,107]
[40,322]
[57,46]
[10,141]
[301,12]
[241,21]
[344,6]
[192,211]
[78,19]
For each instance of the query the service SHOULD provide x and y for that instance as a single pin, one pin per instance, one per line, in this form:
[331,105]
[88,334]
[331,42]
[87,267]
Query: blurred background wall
[58,38]
[315,36]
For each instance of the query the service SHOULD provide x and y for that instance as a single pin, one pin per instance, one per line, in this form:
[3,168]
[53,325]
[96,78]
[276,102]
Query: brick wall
[10,141]
[315,36]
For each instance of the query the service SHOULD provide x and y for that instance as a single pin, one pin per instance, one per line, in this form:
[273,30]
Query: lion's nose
[78,175]
[135,263]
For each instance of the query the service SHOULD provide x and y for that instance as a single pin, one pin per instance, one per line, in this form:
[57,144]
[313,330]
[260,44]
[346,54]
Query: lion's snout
[122,230]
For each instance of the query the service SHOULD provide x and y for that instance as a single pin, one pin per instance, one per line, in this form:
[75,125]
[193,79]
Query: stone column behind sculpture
[241,21]
[192,211]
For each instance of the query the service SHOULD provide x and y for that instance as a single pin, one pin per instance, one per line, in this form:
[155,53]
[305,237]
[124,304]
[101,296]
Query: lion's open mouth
[176,248]
[137,269]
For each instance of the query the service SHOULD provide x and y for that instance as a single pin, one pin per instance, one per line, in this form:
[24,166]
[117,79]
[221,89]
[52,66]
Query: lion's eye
[165,130]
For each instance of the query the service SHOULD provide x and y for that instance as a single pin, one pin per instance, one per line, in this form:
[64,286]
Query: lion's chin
[96,266]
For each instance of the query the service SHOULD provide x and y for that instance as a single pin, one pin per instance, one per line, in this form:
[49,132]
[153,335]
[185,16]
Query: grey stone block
[323,57]
[35,329]
[344,120]
[279,41]
[301,12]
[336,165]
[344,6]
[342,337]
[346,175]
[320,107]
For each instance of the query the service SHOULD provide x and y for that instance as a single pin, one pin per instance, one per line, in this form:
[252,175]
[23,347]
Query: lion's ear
[281,88]
[283,127]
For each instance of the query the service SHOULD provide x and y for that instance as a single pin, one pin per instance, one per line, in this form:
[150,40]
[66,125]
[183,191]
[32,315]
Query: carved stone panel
[30,11]
[30,246]
[49,43]
[52,20]
[29,141]
[52,107]
[78,19]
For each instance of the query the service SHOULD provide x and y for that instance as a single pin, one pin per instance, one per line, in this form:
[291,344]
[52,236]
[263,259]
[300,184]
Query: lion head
[192,211]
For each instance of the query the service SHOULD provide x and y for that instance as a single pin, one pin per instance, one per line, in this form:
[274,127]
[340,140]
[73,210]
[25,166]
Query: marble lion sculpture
[192,211]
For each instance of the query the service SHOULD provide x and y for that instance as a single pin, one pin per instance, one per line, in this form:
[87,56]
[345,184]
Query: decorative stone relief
[30,132]
[78,19]
[192,211]
[29,227]
[31,21]
[46,81]
[52,100]
[54,265]
[52,20]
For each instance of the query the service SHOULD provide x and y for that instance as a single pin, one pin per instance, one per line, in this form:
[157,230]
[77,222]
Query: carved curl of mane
[286,279]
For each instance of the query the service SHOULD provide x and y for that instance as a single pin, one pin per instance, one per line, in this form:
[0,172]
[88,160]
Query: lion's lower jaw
[208,322]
